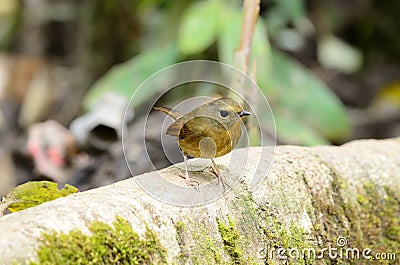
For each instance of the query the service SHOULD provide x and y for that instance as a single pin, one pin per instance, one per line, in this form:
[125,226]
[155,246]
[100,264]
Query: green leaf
[127,77]
[275,19]
[261,50]
[198,28]
[229,36]
[292,88]
[34,193]
[291,130]
[295,9]
[10,17]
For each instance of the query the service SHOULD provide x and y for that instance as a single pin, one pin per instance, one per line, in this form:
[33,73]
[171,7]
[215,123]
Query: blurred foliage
[127,77]
[306,111]
[34,193]
[386,103]
[91,47]
[380,28]
[145,36]
[199,27]
[10,14]
[282,12]
[373,26]
[304,102]
[112,29]
[334,53]
[229,36]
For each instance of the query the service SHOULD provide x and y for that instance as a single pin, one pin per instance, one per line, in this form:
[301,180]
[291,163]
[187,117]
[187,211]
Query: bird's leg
[215,169]
[188,180]
[218,174]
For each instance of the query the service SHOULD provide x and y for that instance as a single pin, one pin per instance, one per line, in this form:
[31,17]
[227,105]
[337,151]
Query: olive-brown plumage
[211,130]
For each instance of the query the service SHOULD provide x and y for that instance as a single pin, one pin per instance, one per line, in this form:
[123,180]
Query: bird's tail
[173,113]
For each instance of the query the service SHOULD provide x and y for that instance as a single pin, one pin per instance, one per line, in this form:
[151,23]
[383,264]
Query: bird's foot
[189,181]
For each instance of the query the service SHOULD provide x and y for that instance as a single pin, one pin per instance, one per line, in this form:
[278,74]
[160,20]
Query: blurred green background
[329,68]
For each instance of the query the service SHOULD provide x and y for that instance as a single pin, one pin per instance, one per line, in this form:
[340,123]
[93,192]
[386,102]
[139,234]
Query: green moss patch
[292,237]
[379,219]
[231,239]
[106,245]
[183,255]
[368,219]
[206,250]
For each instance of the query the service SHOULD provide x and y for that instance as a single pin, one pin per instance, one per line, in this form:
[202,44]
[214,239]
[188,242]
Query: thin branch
[251,9]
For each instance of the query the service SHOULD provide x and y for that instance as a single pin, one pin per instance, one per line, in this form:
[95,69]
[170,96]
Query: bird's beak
[243,113]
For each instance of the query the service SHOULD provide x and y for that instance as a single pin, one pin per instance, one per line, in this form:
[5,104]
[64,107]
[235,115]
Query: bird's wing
[188,129]
[175,128]
[173,113]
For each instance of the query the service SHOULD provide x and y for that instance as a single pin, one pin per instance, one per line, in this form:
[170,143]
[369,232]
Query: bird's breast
[205,142]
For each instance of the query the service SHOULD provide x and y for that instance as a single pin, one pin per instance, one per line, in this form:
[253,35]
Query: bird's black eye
[224,113]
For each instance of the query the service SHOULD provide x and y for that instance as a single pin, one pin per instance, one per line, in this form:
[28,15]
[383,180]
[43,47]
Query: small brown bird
[211,130]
